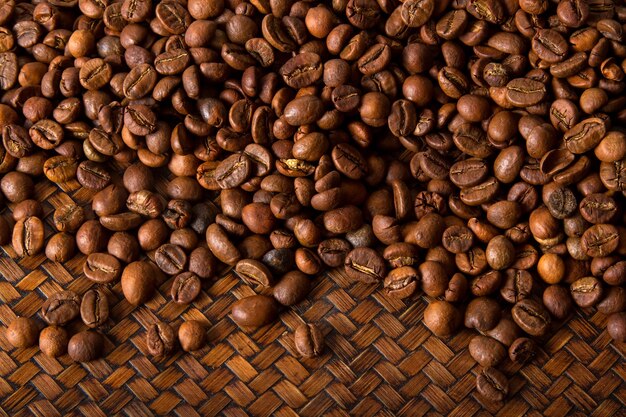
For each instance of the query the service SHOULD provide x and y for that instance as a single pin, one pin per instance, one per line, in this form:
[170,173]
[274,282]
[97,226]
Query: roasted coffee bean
[531,317]
[442,318]
[94,308]
[28,236]
[482,314]
[92,175]
[309,340]
[138,281]
[192,335]
[366,265]
[522,350]
[600,240]
[53,341]
[558,301]
[160,339]
[85,346]
[255,311]
[185,288]
[22,332]
[586,291]
[517,285]
[401,282]
[492,384]
[102,268]
[254,273]
[486,351]
[170,258]
[292,288]
[61,308]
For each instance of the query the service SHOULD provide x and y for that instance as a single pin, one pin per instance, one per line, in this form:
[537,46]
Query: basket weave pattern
[380,360]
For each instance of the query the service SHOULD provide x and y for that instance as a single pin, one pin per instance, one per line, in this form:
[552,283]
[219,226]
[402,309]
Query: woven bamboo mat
[380,360]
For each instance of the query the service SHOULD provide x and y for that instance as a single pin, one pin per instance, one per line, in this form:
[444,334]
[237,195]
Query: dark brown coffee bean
[600,240]
[185,288]
[255,311]
[333,251]
[457,239]
[349,161]
[401,282]
[192,335]
[525,92]
[221,246]
[85,346]
[487,351]
[92,175]
[468,172]
[442,318]
[254,273]
[68,218]
[518,285]
[492,384]
[28,236]
[522,350]
[60,169]
[531,317]
[171,259]
[366,265]
[292,288]
[22,332]
[233,171]
[160,339]
[309,340]
[302,70]
[53,341]
[61,308]
[598,208]
[558,301]
[549,45]
[586,292]
[94,308]
[585,135]
[138,281]
[482,313]
[95,74]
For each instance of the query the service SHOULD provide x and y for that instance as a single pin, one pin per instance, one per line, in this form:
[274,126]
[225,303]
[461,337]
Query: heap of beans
[469,150]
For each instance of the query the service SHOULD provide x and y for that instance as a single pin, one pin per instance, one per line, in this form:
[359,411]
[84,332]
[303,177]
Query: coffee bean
[171,259]
[102,268]
[366,265]
[586,292]
[442,318]
[92,175]
[486,351]
[22,332]
[522,350]
[94,308]
[401,282]
[531,317]
[53,341]
[138,282]
[254,311]
[254,273]
[185,288]
[85,346]
[600,240]
[492,384]
[482,313]
[160,339]
[61,308]
[302,70]
[192,335]
[292,288]
[309,340]
[28,236]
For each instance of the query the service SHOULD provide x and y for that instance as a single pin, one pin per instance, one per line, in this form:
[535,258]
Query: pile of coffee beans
[473,151]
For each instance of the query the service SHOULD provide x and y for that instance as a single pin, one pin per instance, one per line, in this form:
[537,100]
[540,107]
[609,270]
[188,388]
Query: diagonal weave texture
[380,360]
